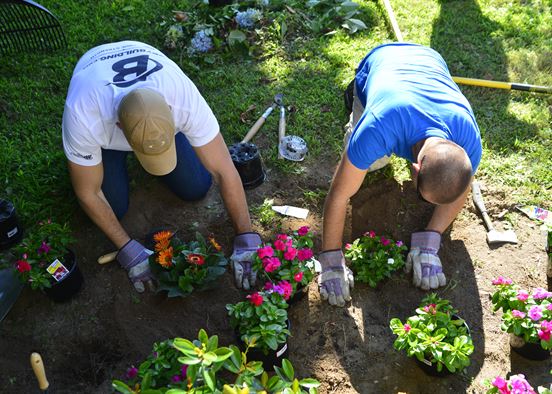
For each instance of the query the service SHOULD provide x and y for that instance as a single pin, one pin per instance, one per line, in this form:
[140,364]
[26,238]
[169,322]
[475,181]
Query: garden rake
[27,26]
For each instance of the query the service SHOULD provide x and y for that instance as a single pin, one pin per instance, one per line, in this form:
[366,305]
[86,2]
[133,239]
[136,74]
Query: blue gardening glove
[134,258]
[336,279]
[245,245]
[424,261]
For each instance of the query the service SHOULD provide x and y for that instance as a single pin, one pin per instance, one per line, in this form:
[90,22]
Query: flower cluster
[374,258]
[248,18]
[201,42]
[287,263]
[42,257]
[435,335]
[527,315]
[517,384]
[181,267]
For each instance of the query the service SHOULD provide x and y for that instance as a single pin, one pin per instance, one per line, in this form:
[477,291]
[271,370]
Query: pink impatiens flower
[298,277]
[304,254]
[385,241]
[271,264]
[431,308]
[132,372]
[348,246]
[255,298]
[518,314]
[501,384]
[520,385]
[266,251]
[287,289]
[399,243]
[43,248]
[540,294]
[522,295]
[546,330]
[279,245]
[268,286]
[407,327]
[22,266]
[535,313]
[502,281]
[290,253]
[303,230]
[282,237]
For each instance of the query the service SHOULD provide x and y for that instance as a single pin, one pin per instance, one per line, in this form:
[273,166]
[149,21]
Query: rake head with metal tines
[26,25]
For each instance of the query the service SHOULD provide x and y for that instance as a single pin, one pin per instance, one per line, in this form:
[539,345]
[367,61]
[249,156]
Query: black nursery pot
[529,350]
[273,358]
[70,284]
[247,159]
[431,369]
[10,230]
[299,295]
[219,3]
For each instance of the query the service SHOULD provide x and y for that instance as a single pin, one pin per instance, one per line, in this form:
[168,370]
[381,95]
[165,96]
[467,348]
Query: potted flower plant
[436,336]
[262,323]
[286,265]
[527,317]
[374,258]
[182,267]
[181,366]
[44,260]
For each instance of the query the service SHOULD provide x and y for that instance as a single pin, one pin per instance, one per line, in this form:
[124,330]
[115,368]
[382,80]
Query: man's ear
[415,169]
[118,124]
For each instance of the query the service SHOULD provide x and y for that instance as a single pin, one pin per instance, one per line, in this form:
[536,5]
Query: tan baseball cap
[147,122]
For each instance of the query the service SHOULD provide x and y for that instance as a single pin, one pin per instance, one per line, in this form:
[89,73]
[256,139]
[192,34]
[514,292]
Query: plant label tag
[12,232]
[57,270]
[287,210]
[281,351]
[426,362]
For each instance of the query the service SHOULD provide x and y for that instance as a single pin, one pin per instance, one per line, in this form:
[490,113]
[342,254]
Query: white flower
[390,261]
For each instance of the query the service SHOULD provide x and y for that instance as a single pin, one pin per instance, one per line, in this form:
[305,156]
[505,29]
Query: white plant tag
[12,232]
[287,210]
[281,351]
[57,270]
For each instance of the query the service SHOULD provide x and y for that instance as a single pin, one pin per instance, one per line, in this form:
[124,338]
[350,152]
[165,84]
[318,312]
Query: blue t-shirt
[409,95]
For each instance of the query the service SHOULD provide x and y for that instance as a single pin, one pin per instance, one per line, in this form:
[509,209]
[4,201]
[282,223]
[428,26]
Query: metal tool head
[497,237]
[293,148]
[279,99]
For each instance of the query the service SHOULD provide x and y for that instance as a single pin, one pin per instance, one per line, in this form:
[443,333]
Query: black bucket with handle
[10,229]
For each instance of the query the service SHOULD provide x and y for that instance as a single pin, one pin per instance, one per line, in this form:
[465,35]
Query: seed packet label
[57,270]
[281,351]
[12,232]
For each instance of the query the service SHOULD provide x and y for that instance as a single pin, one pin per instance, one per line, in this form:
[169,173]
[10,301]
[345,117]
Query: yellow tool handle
[38,368]
[482,82]
[107,258]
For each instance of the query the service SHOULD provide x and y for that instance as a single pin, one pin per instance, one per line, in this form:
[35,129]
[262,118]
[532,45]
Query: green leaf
[309,382]
[288,369]
[236,37]
[121,387]
[209,377]
[202,336]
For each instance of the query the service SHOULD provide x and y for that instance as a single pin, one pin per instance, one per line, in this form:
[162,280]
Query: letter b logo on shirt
[140,67]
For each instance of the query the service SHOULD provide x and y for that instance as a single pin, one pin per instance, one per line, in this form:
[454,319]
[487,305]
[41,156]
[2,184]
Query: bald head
[445,171]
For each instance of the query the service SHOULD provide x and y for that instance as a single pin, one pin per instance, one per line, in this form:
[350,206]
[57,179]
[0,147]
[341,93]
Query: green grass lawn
[489,39]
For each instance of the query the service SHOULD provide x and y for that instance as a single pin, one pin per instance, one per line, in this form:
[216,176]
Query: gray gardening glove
[424,261]
[336,279]
[134,258]
[245,245]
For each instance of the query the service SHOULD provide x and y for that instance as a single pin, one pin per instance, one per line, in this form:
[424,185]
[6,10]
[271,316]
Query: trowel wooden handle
[281,129]
[478,201]
[253,130]
[107,258]
[38,368]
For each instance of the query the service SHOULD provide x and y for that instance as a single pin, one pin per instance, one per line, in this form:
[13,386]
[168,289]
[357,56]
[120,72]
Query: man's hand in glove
[245,245]
[424,261]
[336,279]
[134,258]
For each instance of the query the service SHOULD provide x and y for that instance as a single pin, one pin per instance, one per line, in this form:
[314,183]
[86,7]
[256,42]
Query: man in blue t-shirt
[405,103]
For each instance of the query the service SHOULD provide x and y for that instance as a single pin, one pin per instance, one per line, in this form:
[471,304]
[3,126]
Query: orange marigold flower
[215,244]
[196,259]
[165,257]
[162,236]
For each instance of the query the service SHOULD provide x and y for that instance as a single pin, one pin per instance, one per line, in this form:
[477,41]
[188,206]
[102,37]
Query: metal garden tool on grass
[38,368]
[253,130]
[493,236]
[290,147]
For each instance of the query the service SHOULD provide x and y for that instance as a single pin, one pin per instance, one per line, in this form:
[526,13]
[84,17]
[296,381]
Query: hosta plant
[374,257]
[435,334]
[182,267]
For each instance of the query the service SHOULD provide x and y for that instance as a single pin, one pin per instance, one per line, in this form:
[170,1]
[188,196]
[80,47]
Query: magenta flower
[544,335]
[520,385]
[501,281]
[549,307]
[500,383]
[176,379]
[184,370]
[535,313]
[431,308]
[44,248]
[255,299]
[266,251]
[279,245]
[287,288]
[385,241]
[304,254]
[298,277]
[348,246]
[131,373]
[282,237]
[399,243]
[518,314]
[268,286]
[522,295]
[271,264]
[290,253]
[371,234]
[540,294]
[407,327]
[303,230]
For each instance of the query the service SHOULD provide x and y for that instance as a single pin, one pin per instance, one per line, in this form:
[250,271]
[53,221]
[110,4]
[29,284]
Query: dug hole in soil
[94,338]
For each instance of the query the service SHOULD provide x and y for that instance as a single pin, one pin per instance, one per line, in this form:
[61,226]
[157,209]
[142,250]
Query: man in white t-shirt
[129,97]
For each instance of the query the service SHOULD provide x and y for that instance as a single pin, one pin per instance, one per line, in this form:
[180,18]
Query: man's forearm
[99,211]
[335,210]
[233,195]
[444,215]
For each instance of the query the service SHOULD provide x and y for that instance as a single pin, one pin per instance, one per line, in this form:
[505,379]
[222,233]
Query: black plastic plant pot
[528,350]
[431,368]
[299,295]
[10,230]
[220,3]
[70,284]
[247,159]
[269,360]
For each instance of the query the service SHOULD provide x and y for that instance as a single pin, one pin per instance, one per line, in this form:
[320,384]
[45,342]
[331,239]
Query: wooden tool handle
[478,202]
[281,129]
[38,368]
[107,258]
[251,133]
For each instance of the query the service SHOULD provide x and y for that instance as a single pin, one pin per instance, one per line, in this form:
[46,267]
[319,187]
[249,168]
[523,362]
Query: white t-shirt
[103,76]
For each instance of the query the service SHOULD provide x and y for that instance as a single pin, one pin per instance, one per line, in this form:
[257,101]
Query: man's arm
[444,215]
[216,158]
[346,182]
[87,183]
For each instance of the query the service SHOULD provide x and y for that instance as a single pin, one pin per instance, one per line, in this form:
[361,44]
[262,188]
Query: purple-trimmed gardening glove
[336,279]
[245,245]
[424,261]
[134,258]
